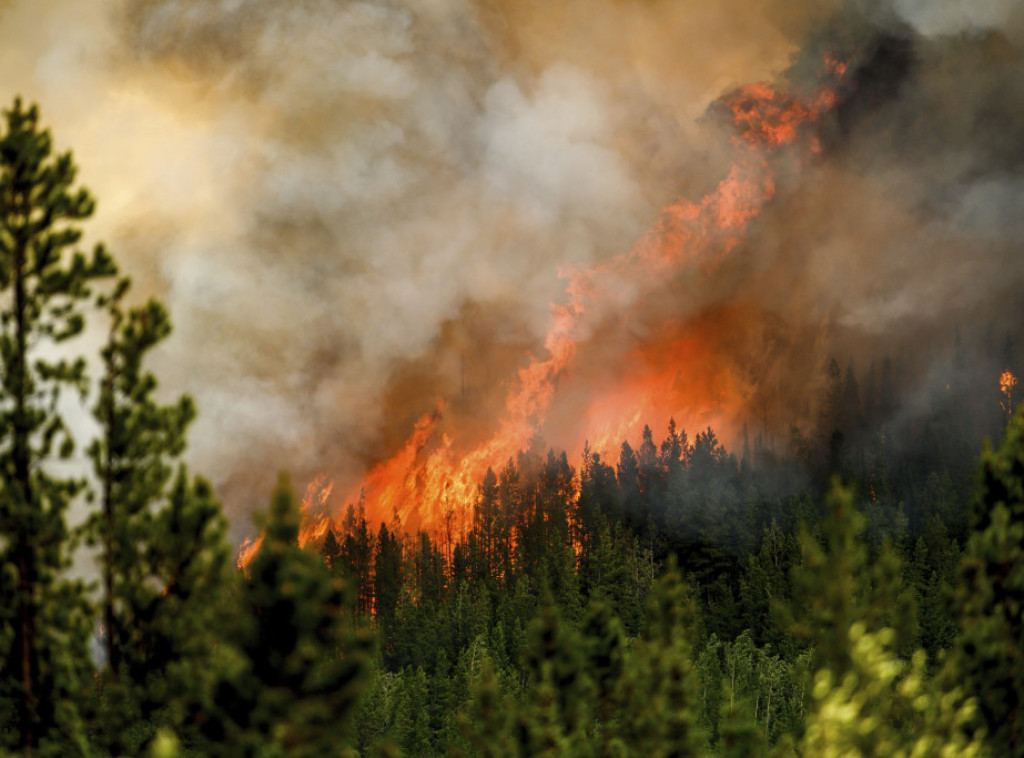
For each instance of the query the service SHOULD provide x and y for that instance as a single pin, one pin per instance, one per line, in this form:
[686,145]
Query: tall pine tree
[165,561]
[296,672]
[43,285]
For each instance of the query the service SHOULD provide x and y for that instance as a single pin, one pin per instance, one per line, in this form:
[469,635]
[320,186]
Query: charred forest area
[675,395]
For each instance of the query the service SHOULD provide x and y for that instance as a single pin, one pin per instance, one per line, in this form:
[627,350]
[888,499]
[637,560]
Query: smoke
[356,209]
[906,234]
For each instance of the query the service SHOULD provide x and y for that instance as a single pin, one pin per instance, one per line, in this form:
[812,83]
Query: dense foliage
[839,597]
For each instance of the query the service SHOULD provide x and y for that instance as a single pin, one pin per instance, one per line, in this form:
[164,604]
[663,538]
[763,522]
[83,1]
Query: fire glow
[1007,381]
[431,482]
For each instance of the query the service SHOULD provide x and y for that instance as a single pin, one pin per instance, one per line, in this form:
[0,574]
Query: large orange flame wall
[430,477]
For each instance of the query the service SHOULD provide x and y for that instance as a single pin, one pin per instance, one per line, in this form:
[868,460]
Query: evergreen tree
[990,650]
[877,705]
[294,682]
[175,619]
[606,660]
[739,736]
[596,504]
[627,472]
[675,450]
[330,549]
[387,577]
[132,459]
[709,677]
[411,725]
[554,716]
[485,527]
[865,700]
[510,508]
[488,719]
[838,583]
[43,283]
[659,687]
[651,476]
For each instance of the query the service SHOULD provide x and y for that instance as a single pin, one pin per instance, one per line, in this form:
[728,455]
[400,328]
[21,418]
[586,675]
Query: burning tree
[1007,381]
[430,482]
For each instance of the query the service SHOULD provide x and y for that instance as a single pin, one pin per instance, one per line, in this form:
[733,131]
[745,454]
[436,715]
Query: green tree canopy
[44,283]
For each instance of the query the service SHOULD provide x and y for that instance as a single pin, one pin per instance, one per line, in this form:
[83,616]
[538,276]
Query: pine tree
[990,650]
[485,527]
[553,718]
[866,700]
[651,476]
[659,688]
[880,706]
[606,654]
[628,474]
[293,686]
[598,501]
[488,719]
[709,675]
[738,733]
[387,577]
[133,459]
[839,584]
[412,726]
[43,284]
[178,613]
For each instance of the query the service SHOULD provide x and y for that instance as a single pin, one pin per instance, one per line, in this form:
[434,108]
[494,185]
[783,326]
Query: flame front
[430,483]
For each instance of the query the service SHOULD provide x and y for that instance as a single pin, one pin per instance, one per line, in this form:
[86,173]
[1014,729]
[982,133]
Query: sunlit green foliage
[990,648]
[881,705]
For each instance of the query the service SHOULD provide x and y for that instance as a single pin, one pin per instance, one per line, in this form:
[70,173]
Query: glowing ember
[1007,381]
[430,484]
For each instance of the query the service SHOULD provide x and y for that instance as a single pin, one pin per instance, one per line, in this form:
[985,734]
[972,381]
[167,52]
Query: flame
[315,517]
[315,520]
[431,484]
[247,551]
[673,374]
[1007,381]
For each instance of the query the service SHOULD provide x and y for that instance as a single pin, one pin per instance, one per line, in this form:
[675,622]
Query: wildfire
[1007,381]
[429,480]
[315,517]
[248,549]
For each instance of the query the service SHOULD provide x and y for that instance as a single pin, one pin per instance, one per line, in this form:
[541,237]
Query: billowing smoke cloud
[356,209]
[905,237]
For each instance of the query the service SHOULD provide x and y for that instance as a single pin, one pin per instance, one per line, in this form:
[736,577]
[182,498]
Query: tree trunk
[25,630]
[109,544]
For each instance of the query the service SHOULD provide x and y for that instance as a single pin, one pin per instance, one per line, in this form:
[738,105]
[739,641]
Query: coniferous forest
[837,595]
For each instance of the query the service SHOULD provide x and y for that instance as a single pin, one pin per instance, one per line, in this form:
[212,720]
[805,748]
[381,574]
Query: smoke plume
[358,210]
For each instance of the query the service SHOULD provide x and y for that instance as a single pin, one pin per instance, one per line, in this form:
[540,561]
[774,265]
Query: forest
[840,594]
